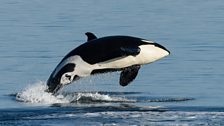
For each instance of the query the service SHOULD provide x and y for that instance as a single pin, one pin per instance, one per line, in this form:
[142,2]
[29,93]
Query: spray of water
[35,93]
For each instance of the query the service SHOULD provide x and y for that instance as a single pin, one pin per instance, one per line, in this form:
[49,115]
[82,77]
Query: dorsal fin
[90,36]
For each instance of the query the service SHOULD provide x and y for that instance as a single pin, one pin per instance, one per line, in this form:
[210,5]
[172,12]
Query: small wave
[97,98]
[36,94]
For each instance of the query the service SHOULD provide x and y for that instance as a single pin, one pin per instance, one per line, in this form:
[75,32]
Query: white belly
[148,54]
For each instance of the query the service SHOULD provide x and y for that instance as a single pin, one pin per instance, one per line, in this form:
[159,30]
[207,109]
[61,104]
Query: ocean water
[185,88]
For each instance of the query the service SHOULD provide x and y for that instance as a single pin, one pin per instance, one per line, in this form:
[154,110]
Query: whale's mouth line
[162,47]
[156,45]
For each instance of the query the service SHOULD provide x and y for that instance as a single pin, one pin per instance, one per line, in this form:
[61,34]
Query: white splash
[96,97]
[36,93]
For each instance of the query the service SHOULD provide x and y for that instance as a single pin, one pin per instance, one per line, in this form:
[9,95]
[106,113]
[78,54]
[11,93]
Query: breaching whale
[106,54]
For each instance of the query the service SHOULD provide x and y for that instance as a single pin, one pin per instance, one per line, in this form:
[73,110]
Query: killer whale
[106,54]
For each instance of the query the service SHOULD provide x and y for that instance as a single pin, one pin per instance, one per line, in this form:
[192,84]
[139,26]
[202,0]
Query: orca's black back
[105,48]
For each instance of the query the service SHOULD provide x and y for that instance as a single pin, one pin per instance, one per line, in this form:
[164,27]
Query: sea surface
[184,89]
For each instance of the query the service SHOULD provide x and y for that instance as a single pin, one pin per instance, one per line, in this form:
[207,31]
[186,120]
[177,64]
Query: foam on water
[35,93]
[96,97]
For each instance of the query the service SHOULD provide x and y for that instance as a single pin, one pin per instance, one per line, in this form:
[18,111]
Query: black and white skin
[106,54]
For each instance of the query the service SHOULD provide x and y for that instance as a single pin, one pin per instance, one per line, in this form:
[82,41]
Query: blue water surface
[185,88]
